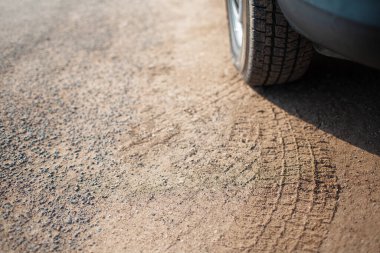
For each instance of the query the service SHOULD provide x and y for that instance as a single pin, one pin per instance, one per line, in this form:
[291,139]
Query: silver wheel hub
[235,8]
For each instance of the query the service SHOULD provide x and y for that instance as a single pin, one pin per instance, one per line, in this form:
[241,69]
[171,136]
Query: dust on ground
[125,127]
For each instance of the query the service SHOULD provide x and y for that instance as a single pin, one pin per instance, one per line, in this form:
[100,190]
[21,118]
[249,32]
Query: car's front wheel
[265,49]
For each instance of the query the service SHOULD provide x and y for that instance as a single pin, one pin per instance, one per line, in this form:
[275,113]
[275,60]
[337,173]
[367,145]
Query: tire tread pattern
[277,54]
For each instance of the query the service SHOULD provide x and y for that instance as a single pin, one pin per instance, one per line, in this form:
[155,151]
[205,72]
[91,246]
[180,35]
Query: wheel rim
[235,12]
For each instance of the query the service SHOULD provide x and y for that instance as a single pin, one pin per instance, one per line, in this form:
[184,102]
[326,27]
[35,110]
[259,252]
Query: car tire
[265,49]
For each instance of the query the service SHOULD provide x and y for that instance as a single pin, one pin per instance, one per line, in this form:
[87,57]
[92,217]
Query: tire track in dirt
[275,169]
[229,171]
[140,137]
[296,190]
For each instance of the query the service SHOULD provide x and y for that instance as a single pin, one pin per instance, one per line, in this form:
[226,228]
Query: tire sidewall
[243,59]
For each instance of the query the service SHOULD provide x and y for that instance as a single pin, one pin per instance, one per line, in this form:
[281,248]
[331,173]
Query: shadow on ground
[339,97]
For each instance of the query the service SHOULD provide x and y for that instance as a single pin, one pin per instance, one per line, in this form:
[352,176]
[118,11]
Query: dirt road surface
[125,128]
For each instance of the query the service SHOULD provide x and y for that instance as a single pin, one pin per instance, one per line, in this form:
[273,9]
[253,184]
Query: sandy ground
[125,128]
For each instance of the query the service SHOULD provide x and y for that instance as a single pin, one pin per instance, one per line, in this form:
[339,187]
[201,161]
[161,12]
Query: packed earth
[124,127]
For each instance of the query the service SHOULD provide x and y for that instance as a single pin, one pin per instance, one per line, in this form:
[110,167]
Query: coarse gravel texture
[125,128]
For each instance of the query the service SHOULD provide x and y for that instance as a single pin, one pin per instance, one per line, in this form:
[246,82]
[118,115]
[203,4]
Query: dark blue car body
[349,28]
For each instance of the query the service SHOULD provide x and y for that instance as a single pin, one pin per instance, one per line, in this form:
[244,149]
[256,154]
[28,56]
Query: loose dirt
[125,128]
